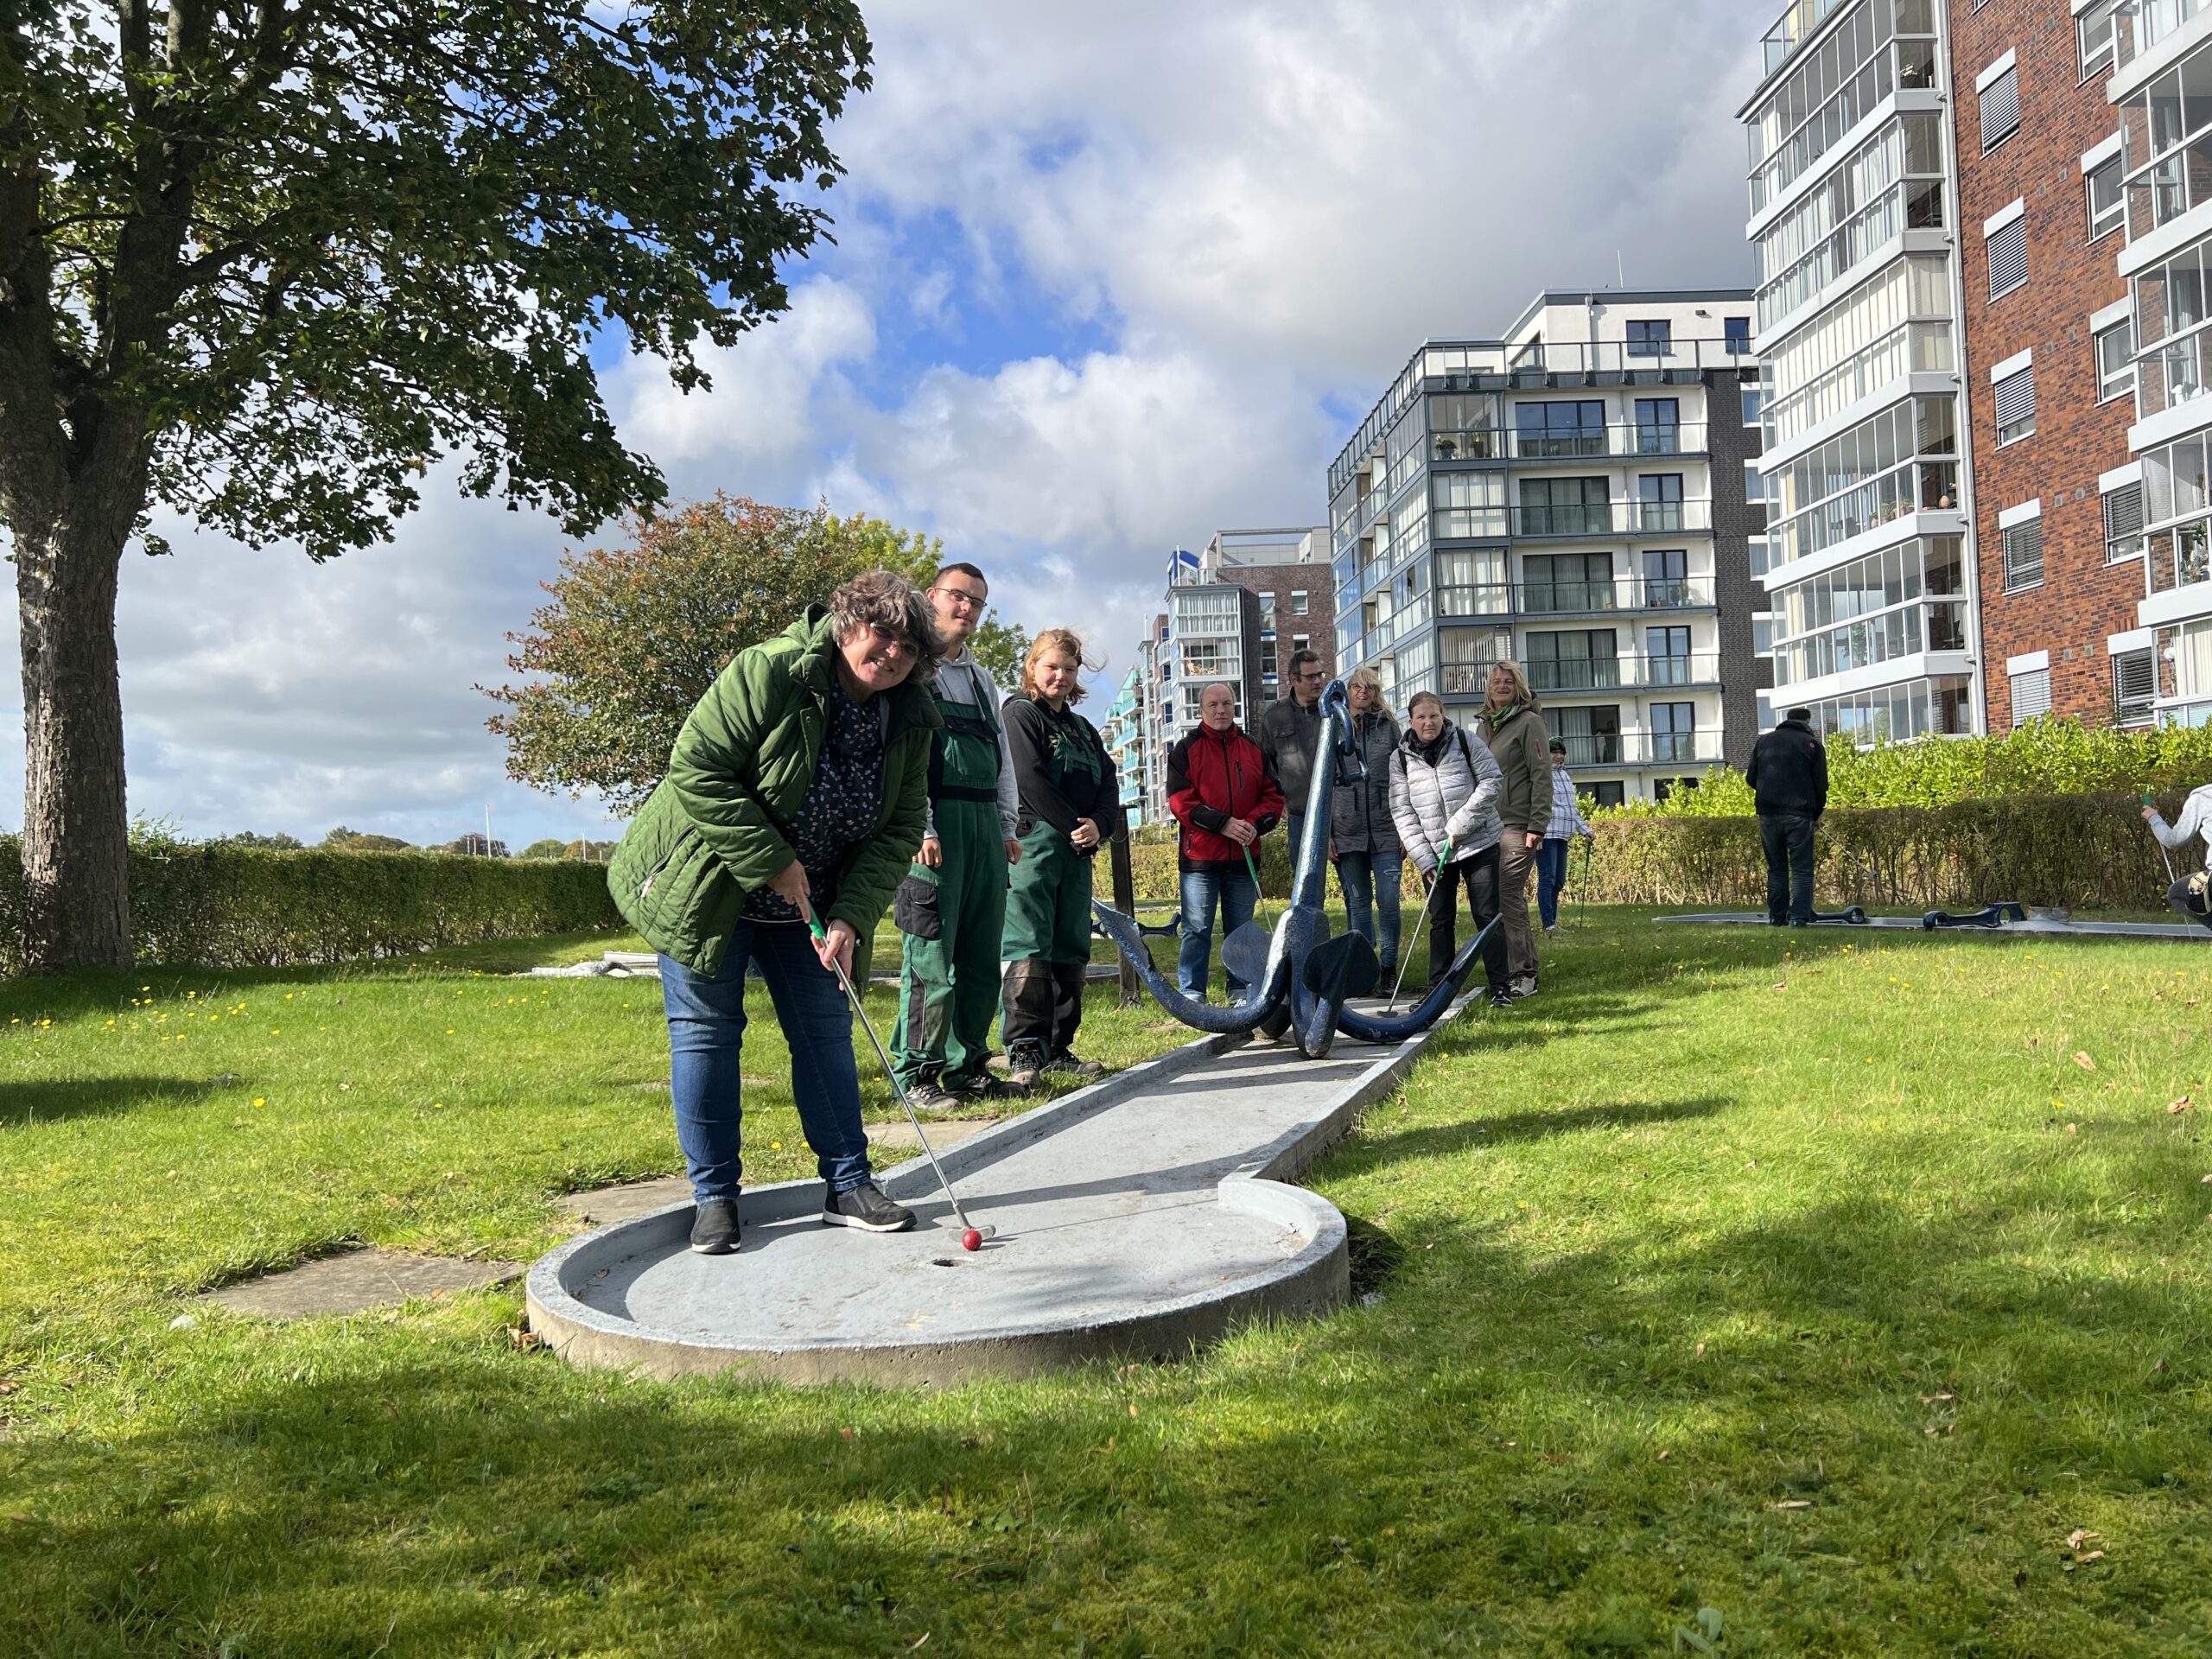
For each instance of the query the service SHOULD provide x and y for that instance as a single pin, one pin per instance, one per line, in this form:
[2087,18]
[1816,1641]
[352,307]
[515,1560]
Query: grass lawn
[1745,1291]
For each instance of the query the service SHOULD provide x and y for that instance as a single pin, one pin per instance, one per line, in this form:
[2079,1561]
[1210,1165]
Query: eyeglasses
[960,598]
[887,641]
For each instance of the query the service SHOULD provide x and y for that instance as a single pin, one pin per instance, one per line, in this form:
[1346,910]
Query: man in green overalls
[1070,808]
[952,905]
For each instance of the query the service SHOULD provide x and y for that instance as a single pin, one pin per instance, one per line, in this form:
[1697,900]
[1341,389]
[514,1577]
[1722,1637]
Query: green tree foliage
[589,852]
[547,848]
[635,634]
[263,264]
[342,840]
[2046,756]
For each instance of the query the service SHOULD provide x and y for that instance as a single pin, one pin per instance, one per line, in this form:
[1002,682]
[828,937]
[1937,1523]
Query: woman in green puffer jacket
[797,784]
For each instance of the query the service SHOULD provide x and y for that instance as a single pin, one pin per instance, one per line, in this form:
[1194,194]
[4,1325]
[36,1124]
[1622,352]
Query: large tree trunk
[76,830]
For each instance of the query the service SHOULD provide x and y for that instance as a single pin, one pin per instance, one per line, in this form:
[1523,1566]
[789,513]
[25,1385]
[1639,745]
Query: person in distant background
[1363,838]
[1789,776]
[2189,895]
[1567,823]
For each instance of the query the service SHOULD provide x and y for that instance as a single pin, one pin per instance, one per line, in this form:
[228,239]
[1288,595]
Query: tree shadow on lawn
[23,1103]
[1369,1150]
[433,1494]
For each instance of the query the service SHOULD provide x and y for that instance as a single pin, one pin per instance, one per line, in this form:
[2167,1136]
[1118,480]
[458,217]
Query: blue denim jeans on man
[1551,876]
[1372,882]
[706,1042]
[1236,893]
[1787,840]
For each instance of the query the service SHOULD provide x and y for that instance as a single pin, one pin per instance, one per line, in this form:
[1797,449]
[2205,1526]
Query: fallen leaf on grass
[1795,1503]
[2094,1555]
[2078,1537]
[2181,1105]
[2082,1058]
[525,1340]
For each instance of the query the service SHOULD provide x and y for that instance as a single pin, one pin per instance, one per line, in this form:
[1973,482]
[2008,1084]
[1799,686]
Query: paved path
[1142,1215]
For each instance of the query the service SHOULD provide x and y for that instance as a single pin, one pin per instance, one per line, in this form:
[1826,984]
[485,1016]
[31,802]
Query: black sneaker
[979,1086]
[1501,999]
[1025,1062]
[929,1094]
[1068,1065]
[864,1206]
[714,1227]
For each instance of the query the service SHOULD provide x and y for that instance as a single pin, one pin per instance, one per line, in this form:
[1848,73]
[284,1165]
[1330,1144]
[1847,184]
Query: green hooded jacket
[714,830]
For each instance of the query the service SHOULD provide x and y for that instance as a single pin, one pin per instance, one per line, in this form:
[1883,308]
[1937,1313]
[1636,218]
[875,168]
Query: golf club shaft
[890,1075]
[1406,955]
[1258,899]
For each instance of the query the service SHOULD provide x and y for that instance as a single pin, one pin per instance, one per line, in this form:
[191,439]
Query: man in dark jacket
[1789,776]
[1220,792]
[1289,732]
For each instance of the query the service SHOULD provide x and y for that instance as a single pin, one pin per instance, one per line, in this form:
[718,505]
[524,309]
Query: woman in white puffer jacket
[1443,793]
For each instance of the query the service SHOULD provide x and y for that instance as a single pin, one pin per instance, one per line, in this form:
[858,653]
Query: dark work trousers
[1478,873]
[1787,840]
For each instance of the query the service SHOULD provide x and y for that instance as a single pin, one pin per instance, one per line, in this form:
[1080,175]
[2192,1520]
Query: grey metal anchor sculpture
[1298,979]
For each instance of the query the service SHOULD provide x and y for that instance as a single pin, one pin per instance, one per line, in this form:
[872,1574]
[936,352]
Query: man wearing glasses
[952,907]
[1289,732]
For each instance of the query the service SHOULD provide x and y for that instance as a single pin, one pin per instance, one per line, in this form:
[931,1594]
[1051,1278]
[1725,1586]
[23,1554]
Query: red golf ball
[971,1240]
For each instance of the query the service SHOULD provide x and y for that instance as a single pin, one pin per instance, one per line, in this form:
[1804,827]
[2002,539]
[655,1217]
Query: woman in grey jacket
[1444,794]
[1363,837]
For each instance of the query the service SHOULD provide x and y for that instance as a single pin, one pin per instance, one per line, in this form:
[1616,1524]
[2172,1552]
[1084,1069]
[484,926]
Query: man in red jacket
[1220,792]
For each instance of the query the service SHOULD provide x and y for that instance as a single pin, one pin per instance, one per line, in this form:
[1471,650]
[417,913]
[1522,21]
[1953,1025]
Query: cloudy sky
[1107,278]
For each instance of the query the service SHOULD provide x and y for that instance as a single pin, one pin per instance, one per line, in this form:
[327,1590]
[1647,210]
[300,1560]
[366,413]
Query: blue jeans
[1551,876]
[1236,893]
[1787,840]
[1372,882]
[706,1041]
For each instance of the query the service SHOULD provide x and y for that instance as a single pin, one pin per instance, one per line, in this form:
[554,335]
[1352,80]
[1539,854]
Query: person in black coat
[1789,776]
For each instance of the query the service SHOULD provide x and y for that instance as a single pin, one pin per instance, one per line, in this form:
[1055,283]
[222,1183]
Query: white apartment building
[1868,558]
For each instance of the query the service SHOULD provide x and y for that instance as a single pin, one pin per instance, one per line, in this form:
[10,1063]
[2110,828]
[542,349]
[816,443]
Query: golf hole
[942,1262]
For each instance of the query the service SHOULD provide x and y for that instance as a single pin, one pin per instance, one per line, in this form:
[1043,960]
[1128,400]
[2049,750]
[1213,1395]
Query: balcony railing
[1909,346]
[1928,485]
[1626,438]
[1629,670]
[2181,555]
[1481,598]
[1640,748]
[1601,595]
[1798,20]
[1605,519]
[2179,371]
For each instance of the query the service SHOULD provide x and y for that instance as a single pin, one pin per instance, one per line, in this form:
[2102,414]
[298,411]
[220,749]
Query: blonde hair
[1360,676]
[1523,697]
[1057,639]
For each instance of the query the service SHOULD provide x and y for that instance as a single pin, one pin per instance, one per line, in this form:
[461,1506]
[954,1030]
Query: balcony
[1482,598]
[1627,671]
[1546,364]
[1624,439]
[1602,749]
[2138,25]
[2180,555]
[1604,520]
[2175,372]
[1602,596]
[1910,347]
[1798,21]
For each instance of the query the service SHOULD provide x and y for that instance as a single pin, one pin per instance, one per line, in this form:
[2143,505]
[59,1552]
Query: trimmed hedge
[223,907]
[2088,852]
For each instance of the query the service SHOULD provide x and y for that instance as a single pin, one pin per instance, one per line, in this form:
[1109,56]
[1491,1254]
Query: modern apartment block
[1121,727]
[1573,495]
[1288,572]
[1869,556]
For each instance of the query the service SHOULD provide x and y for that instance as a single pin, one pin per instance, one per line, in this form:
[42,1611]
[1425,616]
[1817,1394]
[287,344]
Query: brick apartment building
[2056,502]
[1287,573]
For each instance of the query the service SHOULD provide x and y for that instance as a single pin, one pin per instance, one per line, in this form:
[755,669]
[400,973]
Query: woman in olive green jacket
[1521,745]
[797,786]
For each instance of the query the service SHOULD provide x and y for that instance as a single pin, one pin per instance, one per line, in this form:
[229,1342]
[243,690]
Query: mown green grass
[1779,1292]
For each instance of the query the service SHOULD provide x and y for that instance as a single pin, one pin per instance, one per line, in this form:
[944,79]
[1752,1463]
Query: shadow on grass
[1367,1150]
[23,1103]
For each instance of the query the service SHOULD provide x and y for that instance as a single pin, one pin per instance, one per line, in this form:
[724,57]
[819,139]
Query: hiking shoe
[928,1094]
[980,1085]
[1524,986]
[1068,1065]
[1025,1063]
[1501,999]
[864,1206]
[714,1227]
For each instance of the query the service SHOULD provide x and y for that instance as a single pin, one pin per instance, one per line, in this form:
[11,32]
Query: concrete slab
[1145,1214]
[891,1143]
[358,1281]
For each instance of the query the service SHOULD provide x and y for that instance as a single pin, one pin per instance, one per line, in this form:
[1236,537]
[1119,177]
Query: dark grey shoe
[1025,1062]
[1068,1065]
[929,1094]
[865,1207]
[714,1227]
[1501,999]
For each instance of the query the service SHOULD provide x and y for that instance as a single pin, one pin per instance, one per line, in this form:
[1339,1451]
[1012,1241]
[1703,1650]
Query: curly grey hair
[882,599]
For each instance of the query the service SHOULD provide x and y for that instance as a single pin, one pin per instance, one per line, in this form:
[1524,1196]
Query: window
[2023,555]
[1754,484]
[1666,654]
[1267,610]
[2016,406]
[2123,523]
[2031,695]
[1658,426]
[1673,731]
[1567,582]
[1649,337]
[1300,603]
[1736,331]
[1606,794]
[2000,108]
[1566,506]
[1468,503]
[1301,642]
[2094,34]
[2134,686]
[2108,204]
[1757,549]
[2115,349]
[1659,501]
[1592,736]
[1588,659]
[2007,247]
[1751,405]
[1762,635]
[1550,431]
[1464,427]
